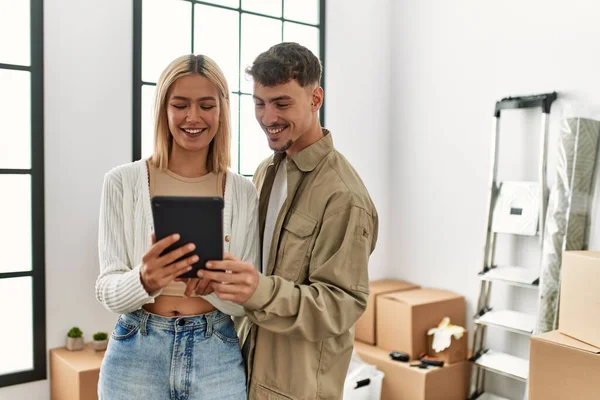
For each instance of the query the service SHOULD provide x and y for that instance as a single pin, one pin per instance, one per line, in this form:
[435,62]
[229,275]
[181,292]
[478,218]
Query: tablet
[198,220]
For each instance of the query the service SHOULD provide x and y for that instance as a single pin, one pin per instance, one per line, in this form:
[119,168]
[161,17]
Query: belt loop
[143,323]
[209,325]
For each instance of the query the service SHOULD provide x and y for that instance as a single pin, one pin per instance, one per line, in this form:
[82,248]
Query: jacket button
[227,238]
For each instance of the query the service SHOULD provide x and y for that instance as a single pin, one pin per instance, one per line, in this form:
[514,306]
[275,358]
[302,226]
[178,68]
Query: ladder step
[513,321]
[504,364]
[517,276]
[489,396]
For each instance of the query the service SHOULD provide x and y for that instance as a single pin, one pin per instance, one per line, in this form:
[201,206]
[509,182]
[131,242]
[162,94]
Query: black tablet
[198,220]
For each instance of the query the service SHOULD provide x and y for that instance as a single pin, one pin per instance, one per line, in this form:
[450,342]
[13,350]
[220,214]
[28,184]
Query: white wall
[88,81]
[357,103]
[450,62]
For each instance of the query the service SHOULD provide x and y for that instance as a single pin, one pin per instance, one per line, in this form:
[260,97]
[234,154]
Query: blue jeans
[181,358]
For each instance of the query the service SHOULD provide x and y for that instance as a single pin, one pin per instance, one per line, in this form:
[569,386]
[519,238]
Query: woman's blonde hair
[219,158]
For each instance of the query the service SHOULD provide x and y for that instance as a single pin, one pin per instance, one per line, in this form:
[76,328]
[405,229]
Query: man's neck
[312,136]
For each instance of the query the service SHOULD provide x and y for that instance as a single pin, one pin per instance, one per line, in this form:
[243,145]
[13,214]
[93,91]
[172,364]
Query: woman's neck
[188,164]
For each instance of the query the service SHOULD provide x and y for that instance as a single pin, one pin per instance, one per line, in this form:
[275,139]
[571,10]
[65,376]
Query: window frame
[36,171]
[138,83]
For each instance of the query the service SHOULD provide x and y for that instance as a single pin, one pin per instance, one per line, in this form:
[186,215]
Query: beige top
[168,183]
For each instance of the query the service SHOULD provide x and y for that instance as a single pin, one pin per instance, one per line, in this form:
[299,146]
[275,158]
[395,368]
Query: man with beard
[318,228]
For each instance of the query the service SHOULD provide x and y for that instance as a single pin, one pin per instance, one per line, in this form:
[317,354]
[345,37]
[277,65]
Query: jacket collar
[308,159]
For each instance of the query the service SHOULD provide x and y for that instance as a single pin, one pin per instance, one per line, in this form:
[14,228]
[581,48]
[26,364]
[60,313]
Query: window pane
[217,36]
[15,119]
[147,120]
[302,10]
[166,35]
[307,36]
[16,347]
[15,225]
[15,38]
[258,34]
[253,142]
[226,3]
[268,7]
[235,103]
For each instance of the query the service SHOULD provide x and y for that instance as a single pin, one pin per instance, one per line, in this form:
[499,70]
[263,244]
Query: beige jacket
[304,309]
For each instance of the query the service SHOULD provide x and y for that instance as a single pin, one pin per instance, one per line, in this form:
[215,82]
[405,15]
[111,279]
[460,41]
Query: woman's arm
[118,287]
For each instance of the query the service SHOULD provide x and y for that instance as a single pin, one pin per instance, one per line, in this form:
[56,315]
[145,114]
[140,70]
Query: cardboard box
[366,324]
[455,353]
[74,374]
[403,382]
[580,294]
[403,318]
[562,368]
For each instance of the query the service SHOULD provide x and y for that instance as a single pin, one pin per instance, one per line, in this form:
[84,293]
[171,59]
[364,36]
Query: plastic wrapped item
[363,381]
[442,334]
[568,214]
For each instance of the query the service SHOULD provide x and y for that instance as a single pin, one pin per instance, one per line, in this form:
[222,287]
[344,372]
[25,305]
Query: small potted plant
[75,339]
[100,341]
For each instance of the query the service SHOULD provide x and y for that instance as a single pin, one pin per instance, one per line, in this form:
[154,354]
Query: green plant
[75,332]
[100,336]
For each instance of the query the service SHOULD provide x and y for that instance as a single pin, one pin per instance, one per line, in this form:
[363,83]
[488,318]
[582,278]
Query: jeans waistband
[143,318]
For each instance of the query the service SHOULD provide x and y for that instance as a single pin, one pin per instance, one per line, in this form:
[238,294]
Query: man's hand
[237,284]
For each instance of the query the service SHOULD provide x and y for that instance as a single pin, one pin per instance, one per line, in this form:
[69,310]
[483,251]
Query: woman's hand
[158,271]
[196,286]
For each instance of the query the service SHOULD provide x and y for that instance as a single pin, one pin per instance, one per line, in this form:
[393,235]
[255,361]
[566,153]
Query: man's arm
[337,292]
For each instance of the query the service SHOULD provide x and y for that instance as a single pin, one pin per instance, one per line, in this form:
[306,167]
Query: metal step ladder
[514,208]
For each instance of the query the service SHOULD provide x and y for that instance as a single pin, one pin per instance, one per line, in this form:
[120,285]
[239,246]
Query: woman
[172,340]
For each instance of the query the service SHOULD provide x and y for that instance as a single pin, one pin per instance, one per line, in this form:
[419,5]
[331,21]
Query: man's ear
[317,98]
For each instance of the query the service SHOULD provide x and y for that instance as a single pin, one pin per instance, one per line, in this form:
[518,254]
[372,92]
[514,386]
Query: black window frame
[138,83]
[36,171]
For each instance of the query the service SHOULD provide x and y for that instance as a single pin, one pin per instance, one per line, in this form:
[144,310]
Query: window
[233,33]
[22,289]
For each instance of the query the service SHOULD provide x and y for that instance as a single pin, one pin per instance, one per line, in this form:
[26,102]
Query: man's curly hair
[284,62]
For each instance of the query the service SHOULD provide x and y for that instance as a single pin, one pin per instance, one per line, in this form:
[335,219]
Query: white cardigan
[126,226]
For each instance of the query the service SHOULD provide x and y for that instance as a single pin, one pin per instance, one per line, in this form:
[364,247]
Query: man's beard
[285,147]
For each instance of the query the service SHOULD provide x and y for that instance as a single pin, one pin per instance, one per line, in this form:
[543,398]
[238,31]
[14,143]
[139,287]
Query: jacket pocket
[294,247]
[265,393]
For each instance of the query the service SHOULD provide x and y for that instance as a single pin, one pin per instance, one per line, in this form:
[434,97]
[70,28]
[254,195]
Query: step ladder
[514,208]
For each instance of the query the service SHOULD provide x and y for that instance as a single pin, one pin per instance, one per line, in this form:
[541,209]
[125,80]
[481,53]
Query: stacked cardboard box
[580,296]
[565,364]
[403,382]
[398,316]
[74,374]
[366,326]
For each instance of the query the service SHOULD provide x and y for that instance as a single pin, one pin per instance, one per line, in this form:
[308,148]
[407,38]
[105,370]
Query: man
[318,227]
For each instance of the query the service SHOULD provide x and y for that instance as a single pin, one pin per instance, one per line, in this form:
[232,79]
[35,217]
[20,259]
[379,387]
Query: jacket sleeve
[336,293]
[118,287]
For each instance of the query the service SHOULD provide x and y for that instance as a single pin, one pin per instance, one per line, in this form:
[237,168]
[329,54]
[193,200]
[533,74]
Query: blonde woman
[172,339]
